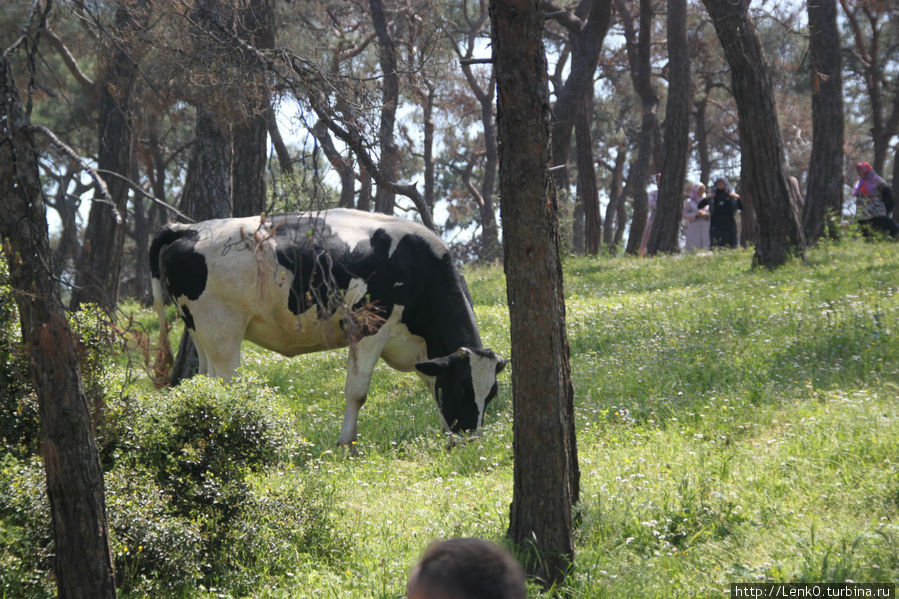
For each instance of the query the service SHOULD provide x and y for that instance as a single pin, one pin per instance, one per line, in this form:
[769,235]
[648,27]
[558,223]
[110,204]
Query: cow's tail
[163,360]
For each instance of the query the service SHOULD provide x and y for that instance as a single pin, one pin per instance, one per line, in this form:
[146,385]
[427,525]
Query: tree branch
[86,82]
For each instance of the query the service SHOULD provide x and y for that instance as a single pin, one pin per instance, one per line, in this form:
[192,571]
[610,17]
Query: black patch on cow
[183,268]
[187,317]
[167,236]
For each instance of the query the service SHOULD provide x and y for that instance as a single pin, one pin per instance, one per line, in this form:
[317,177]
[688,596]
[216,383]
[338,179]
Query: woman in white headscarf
[697,219]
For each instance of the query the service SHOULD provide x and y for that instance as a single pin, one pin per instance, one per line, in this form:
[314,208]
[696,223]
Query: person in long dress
[697,220]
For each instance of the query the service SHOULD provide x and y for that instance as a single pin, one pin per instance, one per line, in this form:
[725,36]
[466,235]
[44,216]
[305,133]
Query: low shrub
[26,540]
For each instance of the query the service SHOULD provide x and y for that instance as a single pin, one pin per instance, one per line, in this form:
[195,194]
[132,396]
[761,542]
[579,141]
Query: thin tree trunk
[615,199]
[588,190]
[780,234]
[666,225]
[546,475]
[702,139]
[250,135]
[585,37]
[100,263]
[83,565]
[341,164]
[639,53]
[824,198]
[390,93]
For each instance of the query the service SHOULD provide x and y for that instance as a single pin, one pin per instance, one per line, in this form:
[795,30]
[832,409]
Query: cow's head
[464,383]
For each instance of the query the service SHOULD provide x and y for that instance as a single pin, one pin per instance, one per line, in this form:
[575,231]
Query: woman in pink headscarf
[873,203]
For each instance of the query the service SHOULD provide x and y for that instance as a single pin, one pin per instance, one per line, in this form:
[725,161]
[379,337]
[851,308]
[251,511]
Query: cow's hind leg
[218,334]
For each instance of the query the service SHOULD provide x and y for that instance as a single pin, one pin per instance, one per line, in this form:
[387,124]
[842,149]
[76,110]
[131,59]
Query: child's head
[466,569]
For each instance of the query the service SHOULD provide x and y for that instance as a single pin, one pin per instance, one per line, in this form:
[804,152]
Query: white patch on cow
[355,226]
[404,350]
[483,376]
[355,293]
[397,284]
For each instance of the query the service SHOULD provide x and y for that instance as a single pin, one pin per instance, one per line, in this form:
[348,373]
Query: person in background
[466,569]
[697,220]
[873,203]
[723,204]
[653,202]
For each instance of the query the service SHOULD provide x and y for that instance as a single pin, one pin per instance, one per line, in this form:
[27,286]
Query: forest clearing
[733,425]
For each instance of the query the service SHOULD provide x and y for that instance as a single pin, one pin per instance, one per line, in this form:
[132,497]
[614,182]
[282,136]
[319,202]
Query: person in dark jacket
[723,205]
[873,203]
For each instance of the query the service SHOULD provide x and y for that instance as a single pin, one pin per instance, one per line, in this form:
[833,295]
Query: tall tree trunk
[66,205]
[588,190]
[876,74]
[585,37]
[490,247]
[207,194]
[83,566]
[666,225]
[702,138]
[100,263]
[824,198]
[343,165]
[615,199]
[428,114]
[780,234]
[390,97]
[749,222]
[639,54]
[255,24]
[546,475]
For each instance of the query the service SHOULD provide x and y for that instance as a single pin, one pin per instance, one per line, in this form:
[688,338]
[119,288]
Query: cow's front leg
[360,364]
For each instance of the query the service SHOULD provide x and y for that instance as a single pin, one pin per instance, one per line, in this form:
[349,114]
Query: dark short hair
[468,569]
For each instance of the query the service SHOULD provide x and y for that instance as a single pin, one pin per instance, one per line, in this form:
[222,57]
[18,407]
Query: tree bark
[780,234]
[824,197]
[587,188]
[255,24]
[875,73]
[100,263]
[83,566]
[665,231]
[546,475]
[701,134]
[390,94]
[586,33]
[615,199]
[639,55]
[342,165]
[490,246]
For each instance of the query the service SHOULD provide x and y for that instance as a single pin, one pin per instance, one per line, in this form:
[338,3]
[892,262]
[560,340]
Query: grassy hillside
[733,425]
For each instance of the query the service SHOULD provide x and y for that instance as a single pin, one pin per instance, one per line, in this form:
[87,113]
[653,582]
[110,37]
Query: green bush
[157,553]
[19,425]
[26,541]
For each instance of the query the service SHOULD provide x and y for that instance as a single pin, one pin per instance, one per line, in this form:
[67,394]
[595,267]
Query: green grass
[733,425]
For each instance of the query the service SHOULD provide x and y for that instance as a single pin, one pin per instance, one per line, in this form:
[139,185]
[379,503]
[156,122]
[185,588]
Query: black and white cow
[299,283]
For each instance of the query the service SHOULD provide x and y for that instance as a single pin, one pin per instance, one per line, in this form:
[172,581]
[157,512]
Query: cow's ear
[501,364]
[433,367]
[438,365]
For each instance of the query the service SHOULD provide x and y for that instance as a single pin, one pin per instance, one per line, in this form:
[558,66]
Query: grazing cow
[299,283]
